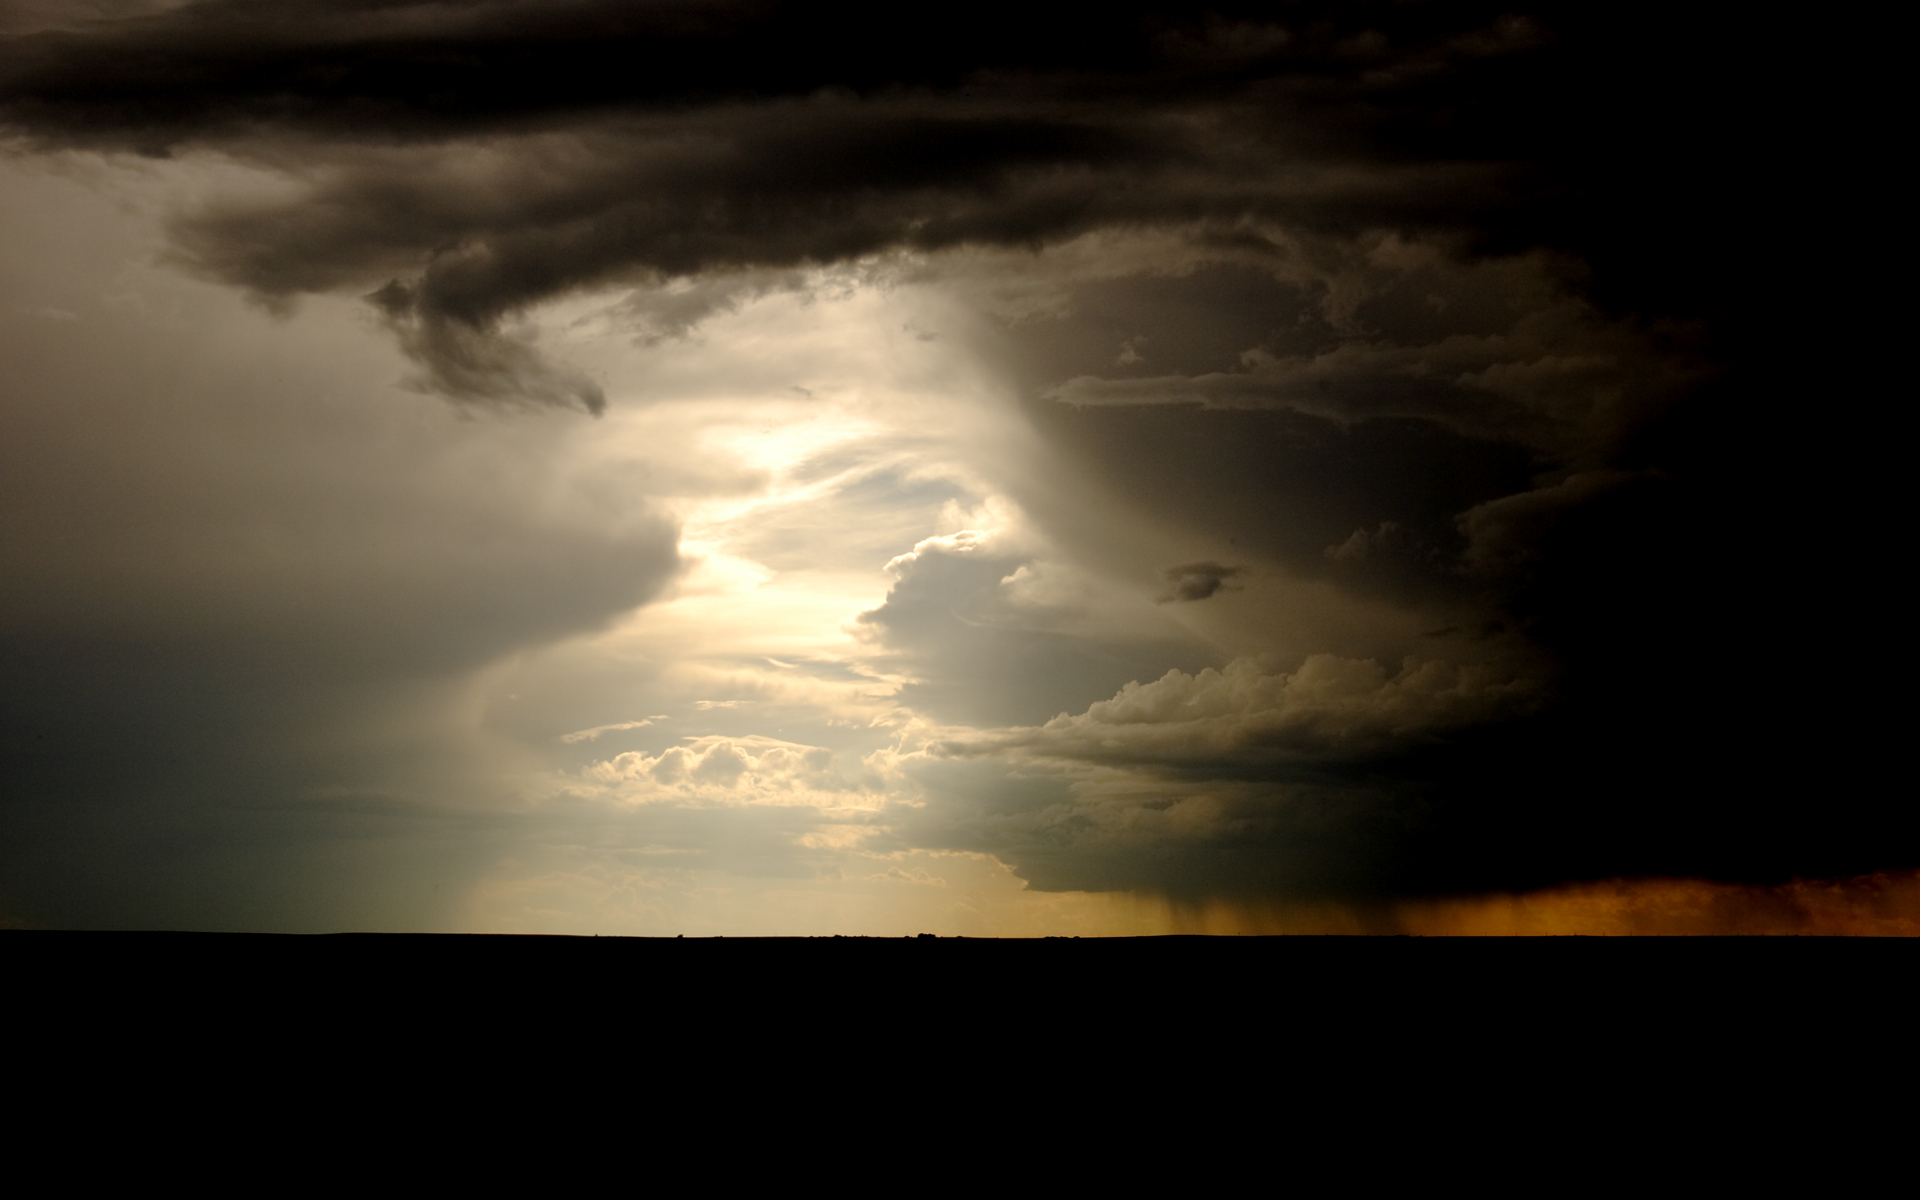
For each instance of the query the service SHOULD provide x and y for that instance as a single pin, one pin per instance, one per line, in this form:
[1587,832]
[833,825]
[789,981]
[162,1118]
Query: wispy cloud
[588,735]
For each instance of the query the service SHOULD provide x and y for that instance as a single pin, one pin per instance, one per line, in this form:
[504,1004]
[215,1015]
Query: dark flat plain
[1365,971]
[1345,1023]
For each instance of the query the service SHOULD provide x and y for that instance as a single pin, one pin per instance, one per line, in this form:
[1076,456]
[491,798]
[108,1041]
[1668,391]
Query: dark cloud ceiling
[486,156]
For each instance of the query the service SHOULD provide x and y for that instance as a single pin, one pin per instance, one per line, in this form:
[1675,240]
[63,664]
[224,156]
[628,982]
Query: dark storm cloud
[488,156]
[1196,581]
[770,132]
[1213,838]
[399,70]
[1223,781]
[1552,375]
[473,363]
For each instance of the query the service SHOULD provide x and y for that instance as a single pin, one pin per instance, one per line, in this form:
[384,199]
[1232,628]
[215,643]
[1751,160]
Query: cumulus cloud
[738,770]
[993,627]
[1237,780]
[1362,543]
[1239,715]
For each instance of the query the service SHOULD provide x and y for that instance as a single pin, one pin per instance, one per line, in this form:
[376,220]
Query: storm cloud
[1256,450]
[1196,581]
[468,161]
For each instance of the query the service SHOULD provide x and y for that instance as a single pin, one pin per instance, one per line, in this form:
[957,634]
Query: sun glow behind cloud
[791,497]
[837,434]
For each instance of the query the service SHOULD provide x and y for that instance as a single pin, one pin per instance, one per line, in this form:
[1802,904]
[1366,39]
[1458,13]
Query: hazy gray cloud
[249,585]
[1182,838]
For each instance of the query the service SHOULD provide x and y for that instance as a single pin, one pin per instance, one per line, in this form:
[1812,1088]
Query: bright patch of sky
[809,445]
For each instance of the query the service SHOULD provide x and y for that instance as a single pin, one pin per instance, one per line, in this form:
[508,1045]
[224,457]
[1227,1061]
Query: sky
[758,468]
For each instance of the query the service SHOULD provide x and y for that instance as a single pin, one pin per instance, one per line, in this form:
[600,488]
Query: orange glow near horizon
[1884,904]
